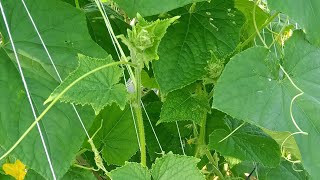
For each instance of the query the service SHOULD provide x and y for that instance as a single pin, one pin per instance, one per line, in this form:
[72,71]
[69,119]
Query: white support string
[27,92]
[53,64]
[181,143]
[113,42]
[124,76]
[154,132]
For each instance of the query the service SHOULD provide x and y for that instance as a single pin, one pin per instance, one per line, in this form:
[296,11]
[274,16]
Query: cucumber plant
[194,89]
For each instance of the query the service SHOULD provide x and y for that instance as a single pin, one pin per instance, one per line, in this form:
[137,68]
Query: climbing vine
[194,89]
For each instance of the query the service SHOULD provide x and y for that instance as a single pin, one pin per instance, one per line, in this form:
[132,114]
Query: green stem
[251,37]
[138,111]
[122,54]
[214,164]
[56,100]
[201,144]
[77,4]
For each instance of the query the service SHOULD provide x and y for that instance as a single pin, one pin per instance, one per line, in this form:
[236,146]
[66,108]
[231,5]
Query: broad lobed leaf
[99,89]
[253,88]
[202,29]
[64,31]
[170,166]
[246,142]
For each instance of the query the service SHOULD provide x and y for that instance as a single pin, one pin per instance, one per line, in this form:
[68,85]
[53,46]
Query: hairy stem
[201,144]
[214,164]
[44,112]
[138,111]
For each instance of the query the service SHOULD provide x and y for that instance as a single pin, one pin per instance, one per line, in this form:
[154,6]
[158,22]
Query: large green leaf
[98,89]
[117,138]
[190,103]
[290,145]
[151,7]
[246,143]
[285,170]
[203,31]
[60,127]
[74,173]
[65,35]
[305,12]
[167,133]
[253,88]
[172,166]
[133,171]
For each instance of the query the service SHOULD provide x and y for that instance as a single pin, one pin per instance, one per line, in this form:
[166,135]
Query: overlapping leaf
[253,88]
[117,138]
[98,89]
[132,171]
[63,29]
[170,166]
[190,103]
[61,128]
[186,49]
[246,143]
[285,170]
[305,12]
[173,166]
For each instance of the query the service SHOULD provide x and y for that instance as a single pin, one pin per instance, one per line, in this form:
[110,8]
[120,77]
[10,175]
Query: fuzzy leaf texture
[144,38]
[170,166]
[204,29]
[246,143]
[190,103]
[99,89]
[132,171]
[253,88]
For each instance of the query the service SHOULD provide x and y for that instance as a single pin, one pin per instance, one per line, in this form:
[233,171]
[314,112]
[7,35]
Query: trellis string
[27,91]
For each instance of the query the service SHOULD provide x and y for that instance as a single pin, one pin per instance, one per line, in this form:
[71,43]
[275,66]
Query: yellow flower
[16,170]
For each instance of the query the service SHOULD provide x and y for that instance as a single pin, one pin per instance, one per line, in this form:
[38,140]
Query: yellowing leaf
[16,170]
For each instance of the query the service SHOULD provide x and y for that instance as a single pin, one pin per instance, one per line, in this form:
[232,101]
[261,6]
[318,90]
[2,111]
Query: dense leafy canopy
[261,84]
[190,44]
[243,142]
[98,90]
[220,99]
[304,12]
[168,167]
